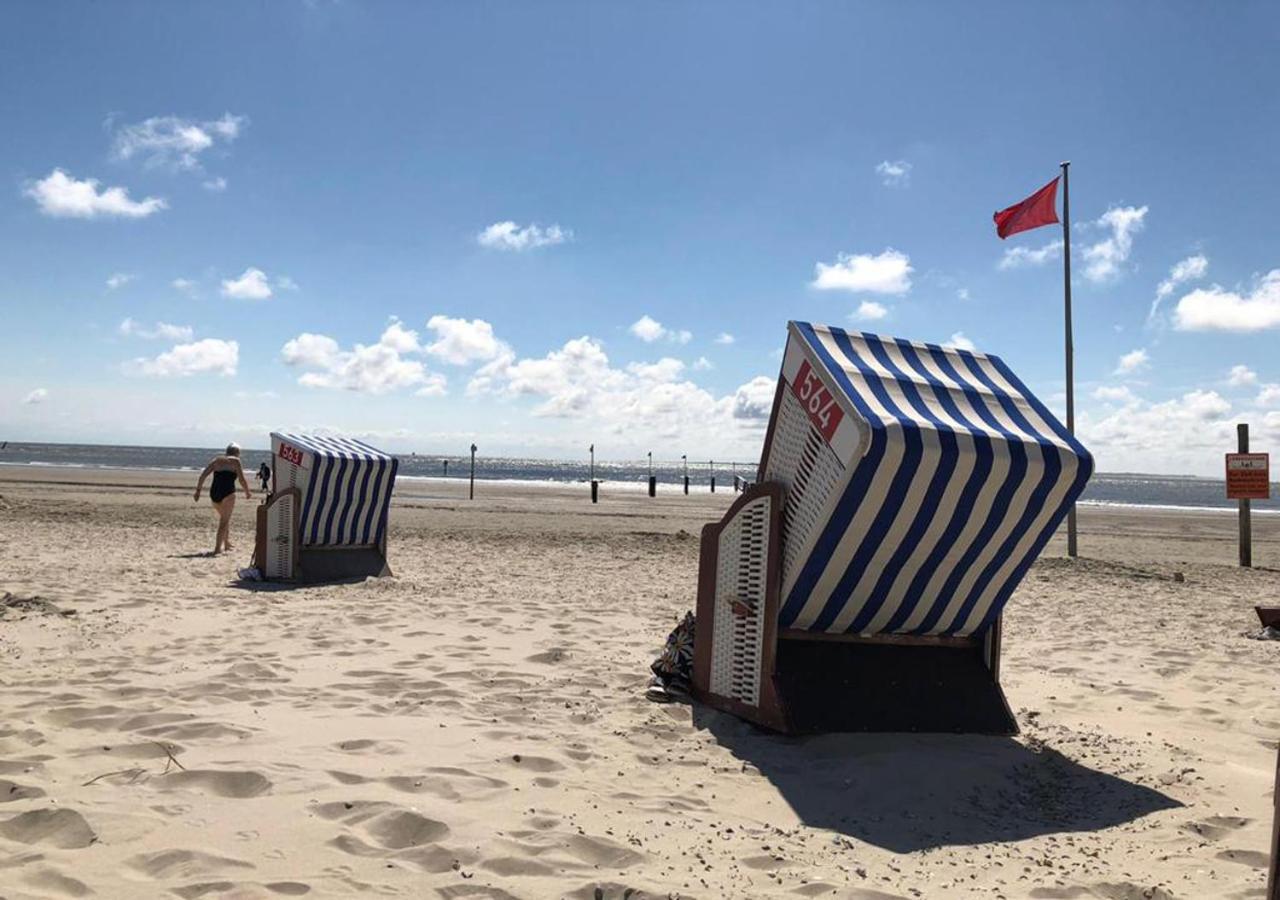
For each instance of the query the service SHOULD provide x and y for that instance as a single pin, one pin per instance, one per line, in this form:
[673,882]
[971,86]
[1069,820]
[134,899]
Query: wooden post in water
[595,485]
[446,468]
[653,481]
[1246,524]
[473,472]
[711,465]
[684,458]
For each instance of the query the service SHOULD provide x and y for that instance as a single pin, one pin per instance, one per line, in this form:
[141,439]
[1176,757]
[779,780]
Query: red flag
[1038,209]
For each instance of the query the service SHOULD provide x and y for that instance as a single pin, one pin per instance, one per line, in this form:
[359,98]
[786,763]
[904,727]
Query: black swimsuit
[224,485]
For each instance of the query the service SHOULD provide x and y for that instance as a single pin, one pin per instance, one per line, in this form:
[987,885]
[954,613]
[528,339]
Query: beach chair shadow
[911,792]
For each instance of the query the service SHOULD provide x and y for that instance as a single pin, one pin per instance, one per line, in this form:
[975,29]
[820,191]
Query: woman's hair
[233,449]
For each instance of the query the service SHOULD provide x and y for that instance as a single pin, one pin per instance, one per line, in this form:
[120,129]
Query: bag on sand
[673,669]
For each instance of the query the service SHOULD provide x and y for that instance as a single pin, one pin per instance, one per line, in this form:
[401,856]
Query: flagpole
[1070,348]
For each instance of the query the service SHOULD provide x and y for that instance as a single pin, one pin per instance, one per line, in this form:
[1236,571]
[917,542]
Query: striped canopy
[346,487]
[922,482]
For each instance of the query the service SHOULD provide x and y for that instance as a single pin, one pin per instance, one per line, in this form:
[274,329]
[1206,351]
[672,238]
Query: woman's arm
[203,476]
[248,495]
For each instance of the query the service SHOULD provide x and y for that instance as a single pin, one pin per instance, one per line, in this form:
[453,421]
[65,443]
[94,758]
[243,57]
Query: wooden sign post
[473,473]
[1248,478]
[1273,880]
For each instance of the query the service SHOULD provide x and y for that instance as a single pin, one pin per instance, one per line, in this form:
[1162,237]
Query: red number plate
[817,401]
[291,454]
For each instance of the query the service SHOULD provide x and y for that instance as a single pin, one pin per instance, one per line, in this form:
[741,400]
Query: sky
[541,226]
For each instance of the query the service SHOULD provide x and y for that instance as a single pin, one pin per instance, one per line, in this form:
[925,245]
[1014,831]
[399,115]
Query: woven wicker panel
[738,637]
[809,470]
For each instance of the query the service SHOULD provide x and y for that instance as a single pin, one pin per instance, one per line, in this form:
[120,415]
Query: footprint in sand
[180,863]
[10,791]
[55,882]
[236,785]
[1216,827]
[65,829]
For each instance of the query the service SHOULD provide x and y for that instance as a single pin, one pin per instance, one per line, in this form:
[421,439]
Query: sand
[475,726]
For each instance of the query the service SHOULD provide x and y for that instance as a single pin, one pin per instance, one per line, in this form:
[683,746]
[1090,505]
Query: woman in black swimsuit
[226,471]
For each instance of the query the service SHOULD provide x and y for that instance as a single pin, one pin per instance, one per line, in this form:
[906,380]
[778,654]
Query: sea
[1104,489]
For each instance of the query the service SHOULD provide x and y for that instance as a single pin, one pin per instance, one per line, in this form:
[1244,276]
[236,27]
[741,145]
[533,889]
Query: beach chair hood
[921,483]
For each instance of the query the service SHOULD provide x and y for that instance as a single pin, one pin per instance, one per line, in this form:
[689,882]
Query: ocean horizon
[1125,489]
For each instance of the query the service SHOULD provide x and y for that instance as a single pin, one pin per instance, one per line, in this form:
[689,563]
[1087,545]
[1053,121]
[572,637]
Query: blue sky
[219,219]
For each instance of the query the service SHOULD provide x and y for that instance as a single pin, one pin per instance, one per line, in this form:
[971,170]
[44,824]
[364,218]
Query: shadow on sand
[907,792]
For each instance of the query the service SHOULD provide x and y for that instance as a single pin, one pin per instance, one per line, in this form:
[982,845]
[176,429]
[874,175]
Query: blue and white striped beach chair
[326,519]
[904,490]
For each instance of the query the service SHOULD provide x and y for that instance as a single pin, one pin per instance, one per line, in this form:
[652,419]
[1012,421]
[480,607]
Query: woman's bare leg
[228,506]
[224,509]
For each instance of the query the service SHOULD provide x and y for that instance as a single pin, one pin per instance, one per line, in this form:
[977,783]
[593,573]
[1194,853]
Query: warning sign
[1248,476]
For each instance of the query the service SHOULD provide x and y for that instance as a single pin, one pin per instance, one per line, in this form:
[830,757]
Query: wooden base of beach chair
[804,682]
[1268,615]
[891,683]
[320,564]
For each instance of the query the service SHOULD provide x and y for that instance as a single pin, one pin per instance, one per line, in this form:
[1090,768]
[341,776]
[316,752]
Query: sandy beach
[475,726]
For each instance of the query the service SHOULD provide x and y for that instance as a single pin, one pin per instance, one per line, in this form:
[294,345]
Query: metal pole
[1246,523]
[1070,347]
[711,466]
[653,482]
[473,472]
[685,459]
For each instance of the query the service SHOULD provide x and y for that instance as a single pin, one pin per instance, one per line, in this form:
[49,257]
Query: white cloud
[960,342]
[186,285]
[1120,394]
[1217,309]
[649,330]
[1185,434]
[702,364]
[871,311]
[375,369]
[1018,257]
[1241,375]
[39,395]
[1104,260]
[962,294]
[462,341]
[894,174]
[251,285]
[510,236]
[209,356]
[664,370]
[215,185]
[1268,395]
[119,280]
[285,283]
[130,328]
[885,273]
[1133,361]
[1189,269]
[644,401]
[61,196]
[725,337]
[174,142]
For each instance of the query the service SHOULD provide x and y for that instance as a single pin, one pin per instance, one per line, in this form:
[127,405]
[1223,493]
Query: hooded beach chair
[904,490]
[327,516]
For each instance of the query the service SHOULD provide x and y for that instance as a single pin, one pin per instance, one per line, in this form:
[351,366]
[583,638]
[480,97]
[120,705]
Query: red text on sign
[291,454]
